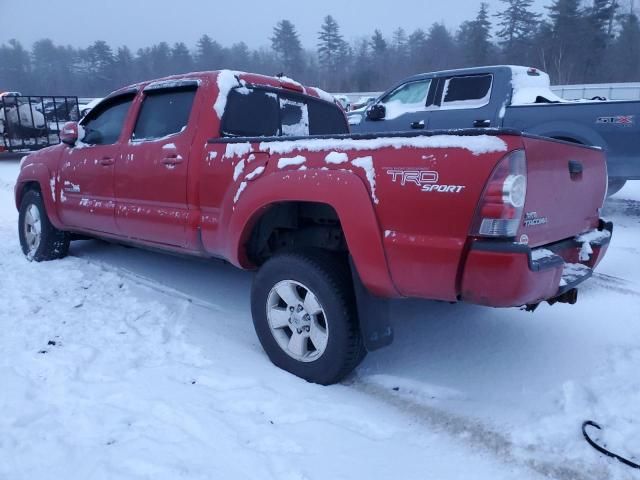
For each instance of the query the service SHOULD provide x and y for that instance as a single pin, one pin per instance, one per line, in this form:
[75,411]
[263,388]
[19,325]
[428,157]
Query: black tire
[615,185]
[328,277]
[54,244]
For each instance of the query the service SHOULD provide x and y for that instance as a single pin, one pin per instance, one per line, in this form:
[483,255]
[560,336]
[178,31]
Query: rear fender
[40,174]
[343,191]
[569,131]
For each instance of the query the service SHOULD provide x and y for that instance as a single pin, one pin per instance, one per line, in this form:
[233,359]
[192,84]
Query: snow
[477,145]
[540,253]
[327,97]
[255,173]
[336,158]
[241,189]
[287,162]
[227,80]
[237,149]
[237,171]
[156,373]
[527,88]
[366,163]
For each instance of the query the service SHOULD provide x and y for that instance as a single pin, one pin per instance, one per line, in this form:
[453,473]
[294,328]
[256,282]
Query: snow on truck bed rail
[477,145]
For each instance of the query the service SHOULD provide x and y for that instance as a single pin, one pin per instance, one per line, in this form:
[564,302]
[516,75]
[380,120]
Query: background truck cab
[509,97]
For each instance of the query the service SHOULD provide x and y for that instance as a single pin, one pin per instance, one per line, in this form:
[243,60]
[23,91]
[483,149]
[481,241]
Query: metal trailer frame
[20,131]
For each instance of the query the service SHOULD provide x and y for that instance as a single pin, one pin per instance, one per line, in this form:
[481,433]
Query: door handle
[172,160]
[418,125]
[482,123]
[106,161]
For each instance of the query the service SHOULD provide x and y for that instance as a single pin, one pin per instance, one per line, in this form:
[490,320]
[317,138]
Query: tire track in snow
[477,435]
[460,428]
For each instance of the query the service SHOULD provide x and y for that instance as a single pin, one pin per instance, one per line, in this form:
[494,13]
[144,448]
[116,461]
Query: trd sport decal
[427,180]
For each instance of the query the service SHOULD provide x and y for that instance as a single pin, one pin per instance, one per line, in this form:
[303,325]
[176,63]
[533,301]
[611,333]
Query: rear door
[151,175]
[86,173]
[464,102]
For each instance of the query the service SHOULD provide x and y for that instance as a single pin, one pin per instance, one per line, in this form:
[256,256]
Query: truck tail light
[501,207]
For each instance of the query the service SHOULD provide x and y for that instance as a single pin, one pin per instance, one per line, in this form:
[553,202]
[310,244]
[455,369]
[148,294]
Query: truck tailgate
[566,187]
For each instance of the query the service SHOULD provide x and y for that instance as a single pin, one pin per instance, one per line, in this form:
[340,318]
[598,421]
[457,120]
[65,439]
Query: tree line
[575,41]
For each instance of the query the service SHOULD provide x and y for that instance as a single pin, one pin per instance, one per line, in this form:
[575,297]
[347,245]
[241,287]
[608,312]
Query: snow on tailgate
[477,145]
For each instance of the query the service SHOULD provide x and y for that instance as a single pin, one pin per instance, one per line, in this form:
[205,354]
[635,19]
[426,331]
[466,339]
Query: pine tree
[517,28]
[441,50]
[181,61]
[332,52]
[564,51]
[475,38]
[124,67]
[209,54]
[285,43]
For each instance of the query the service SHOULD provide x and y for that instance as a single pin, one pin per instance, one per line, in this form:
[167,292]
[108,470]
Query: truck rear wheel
[39,239]
[304,313]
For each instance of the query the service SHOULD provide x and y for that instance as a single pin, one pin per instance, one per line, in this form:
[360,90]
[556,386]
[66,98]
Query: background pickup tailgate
[566,186]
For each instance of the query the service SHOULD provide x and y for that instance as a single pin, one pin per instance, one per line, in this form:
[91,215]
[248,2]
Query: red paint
[412,243]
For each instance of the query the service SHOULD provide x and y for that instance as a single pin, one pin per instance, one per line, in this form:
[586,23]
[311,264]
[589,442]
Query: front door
[86,179]
[151,179]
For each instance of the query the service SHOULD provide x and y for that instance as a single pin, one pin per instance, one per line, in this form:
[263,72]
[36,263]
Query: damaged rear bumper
[500,274]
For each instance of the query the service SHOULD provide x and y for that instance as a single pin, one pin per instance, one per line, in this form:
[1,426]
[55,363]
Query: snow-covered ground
[121,363]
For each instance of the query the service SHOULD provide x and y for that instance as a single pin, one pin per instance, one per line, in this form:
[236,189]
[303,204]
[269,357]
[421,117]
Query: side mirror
[377,112]
[69,133]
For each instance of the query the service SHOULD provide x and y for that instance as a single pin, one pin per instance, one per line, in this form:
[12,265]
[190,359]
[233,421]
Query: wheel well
[294,225]
[568,139]
[27,187]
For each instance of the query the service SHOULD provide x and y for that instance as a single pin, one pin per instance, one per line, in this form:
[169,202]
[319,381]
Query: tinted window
[474,90]
[294,117]
[251,113]
[326,119]
[163,113]
[103,126]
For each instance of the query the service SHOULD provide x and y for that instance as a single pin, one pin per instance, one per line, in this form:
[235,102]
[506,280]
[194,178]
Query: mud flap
[374,315]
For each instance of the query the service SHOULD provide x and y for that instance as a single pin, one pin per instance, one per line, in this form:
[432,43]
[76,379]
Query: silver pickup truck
[509,97]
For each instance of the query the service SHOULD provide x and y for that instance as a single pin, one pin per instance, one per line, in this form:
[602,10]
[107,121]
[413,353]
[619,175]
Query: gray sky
[138,23]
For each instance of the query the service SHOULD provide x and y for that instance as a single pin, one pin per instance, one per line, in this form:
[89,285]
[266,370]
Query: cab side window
[103,125]
[251,113]
[163,113]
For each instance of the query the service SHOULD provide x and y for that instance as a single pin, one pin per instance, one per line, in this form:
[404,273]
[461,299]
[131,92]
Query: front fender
[40,174]
[344,191]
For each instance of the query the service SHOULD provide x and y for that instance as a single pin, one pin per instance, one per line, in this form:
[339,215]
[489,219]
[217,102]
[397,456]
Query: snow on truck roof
[226,81]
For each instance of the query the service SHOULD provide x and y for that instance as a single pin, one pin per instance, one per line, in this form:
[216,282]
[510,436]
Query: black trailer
[29,123]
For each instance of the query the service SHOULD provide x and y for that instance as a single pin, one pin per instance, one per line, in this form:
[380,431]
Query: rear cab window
[164,112]
[473,91]
[265,112]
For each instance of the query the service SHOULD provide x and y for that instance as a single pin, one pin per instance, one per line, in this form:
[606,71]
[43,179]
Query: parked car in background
[362,102]
[509,97]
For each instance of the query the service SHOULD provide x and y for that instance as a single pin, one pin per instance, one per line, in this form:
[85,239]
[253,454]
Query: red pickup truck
[263,173]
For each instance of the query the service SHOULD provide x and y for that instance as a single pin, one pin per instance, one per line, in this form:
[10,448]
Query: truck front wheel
[39,239]
[304,313]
